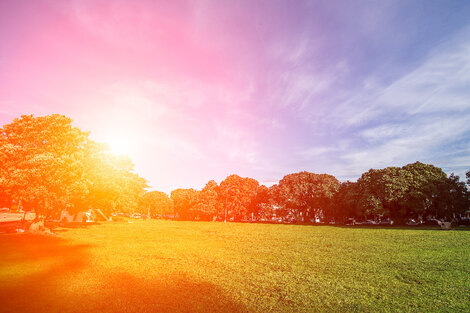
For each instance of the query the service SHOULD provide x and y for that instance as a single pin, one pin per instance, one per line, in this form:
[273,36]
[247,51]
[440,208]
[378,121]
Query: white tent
[80,217]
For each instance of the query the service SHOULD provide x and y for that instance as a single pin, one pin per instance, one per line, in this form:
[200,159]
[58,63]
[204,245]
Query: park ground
[168,266]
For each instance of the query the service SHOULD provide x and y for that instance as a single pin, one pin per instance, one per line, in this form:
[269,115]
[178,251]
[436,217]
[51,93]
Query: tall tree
[42,161]
[411,191]
[453,199]
[260,203]
[49,165]
[344,203]
[381,191]
[183,202]
[306,194]
[426,185]
[156,203]
[235,194]
[206,203]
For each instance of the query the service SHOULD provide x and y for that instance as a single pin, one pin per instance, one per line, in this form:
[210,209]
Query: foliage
[260,204]
[344,203]
[49,165]
[183,202]
[156,203]
[206,204]
[236,196]
[306,194]
[454,198]
[412,191]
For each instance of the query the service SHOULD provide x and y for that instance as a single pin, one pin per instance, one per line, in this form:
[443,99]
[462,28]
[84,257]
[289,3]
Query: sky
[199,90]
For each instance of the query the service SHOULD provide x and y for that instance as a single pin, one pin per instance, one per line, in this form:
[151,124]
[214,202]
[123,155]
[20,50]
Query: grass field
[166,266]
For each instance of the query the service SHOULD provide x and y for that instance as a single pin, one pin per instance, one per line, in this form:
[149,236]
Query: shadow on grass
[63,227]
[19,248]
[169,293]
[50,274]
[31,264]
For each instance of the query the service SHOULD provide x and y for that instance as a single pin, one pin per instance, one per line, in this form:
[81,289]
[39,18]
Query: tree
[380,192]
[41,161]
[453,198]
[183,202]
[156,203]
[275,200]
[344,203]
[412,191]
[49,165]
[427,184]
[236,194]
[206,204]
[306,194]
[260,203]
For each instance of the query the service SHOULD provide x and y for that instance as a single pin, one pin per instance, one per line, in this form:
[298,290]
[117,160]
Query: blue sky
[200,90]
[388,86]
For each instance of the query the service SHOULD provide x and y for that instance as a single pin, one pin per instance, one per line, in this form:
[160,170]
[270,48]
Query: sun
[121,135]
[120,144]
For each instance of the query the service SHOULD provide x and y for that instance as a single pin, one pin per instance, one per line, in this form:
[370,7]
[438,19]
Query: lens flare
[120,144]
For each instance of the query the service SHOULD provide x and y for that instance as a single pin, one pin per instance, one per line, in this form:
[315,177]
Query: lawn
[166,266]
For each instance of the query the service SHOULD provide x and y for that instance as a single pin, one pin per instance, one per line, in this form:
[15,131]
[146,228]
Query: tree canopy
[236,195]
[156,203]
[50,165]
[306,194]
[401,193]
[183,202]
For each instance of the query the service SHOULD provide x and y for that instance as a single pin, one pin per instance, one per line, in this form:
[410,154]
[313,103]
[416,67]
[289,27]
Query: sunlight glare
[120,144]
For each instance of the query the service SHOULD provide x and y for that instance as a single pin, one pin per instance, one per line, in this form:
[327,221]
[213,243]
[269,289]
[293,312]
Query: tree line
[48,165]
[416,190]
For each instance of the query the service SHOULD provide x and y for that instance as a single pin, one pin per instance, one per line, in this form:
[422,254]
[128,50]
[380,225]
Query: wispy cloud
[413,118]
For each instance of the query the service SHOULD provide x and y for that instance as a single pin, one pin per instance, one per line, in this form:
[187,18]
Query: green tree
[344,203]
[306,194]
[427,185]
[236,194]
[381,192]
[453,198]
[112,183]
[411,191]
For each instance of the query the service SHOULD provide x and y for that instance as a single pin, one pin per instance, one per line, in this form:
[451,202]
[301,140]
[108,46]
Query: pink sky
[170,78]
[199,90]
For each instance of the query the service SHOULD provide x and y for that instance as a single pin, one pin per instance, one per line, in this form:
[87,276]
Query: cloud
[317,151]
[418,116]
[440,84]
[261,89]
[408,141]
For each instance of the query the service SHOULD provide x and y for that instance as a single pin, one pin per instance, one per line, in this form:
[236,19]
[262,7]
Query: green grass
[165,266]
